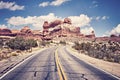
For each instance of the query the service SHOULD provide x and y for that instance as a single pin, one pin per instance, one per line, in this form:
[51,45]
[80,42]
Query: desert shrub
[32,42]
[62,42]
[44,43]
[14,54]
[107,52]
[19,43]
[76,45]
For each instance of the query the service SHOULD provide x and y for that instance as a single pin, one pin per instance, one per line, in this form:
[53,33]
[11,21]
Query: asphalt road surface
[43,67]
[77,69]
[40,67]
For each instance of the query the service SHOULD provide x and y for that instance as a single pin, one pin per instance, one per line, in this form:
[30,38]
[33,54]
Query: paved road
[43,67]
[77,69]
[40,67]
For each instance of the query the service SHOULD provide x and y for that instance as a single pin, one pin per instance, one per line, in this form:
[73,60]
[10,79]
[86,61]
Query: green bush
[32,42]
[19,43]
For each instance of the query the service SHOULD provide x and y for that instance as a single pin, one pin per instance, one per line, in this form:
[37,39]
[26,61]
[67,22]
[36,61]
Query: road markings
[61,72]
[1,77]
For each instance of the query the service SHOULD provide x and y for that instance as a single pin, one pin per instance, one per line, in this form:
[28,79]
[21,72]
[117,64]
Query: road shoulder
[112,68]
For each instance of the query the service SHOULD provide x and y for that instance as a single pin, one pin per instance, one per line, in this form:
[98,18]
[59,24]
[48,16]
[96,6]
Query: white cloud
[98,17]
[105,17]
[44,4]
[116,30]
[3,26]
[101,18]
[53,3]
[37,21]
[87,30]
[58,2]
[80,21]
[94,4]
[10,5]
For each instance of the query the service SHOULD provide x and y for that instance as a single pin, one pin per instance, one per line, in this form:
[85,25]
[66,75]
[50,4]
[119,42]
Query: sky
[102,16]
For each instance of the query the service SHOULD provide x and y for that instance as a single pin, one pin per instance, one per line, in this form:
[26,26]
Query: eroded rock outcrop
[55,23]
[60,28]
[26,29]
[5,31]
[46,25]
[67,20]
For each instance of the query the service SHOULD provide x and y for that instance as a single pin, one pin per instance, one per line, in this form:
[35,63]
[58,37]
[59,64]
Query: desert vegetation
[108,51]
[13,47]
[20,43]
[62,42]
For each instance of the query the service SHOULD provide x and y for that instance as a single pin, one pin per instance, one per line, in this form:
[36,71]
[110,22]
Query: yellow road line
[61,72]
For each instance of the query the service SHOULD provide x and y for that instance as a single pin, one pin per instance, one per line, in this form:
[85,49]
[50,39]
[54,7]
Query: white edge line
[97,67]
[20,64]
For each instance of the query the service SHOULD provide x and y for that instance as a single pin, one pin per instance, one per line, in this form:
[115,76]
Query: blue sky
[102,16]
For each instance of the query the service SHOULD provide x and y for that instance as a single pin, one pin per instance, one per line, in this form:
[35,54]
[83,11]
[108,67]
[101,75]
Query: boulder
[26,29]
[55,23]
[67,20]
[46,25]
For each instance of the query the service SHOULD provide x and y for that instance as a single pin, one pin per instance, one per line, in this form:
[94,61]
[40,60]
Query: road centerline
[61,72]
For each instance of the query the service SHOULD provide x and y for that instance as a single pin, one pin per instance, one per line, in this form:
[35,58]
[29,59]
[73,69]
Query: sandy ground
[113,68]
[12,61]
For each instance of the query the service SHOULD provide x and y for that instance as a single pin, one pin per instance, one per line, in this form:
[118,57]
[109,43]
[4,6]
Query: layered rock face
[25,32]
[57,28]
[60,28]
[55,23]
[5,31]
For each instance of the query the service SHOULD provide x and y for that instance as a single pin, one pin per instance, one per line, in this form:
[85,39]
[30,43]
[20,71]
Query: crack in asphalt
[35,73]
[83,76]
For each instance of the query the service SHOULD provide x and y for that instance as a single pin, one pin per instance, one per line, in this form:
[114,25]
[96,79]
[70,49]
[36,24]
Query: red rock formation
[92,35]
[26,30]
[55,23]
[57,28]
[46,25]
[15,31]
[67,20]
[113,35]
[76,30]
[5,31]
